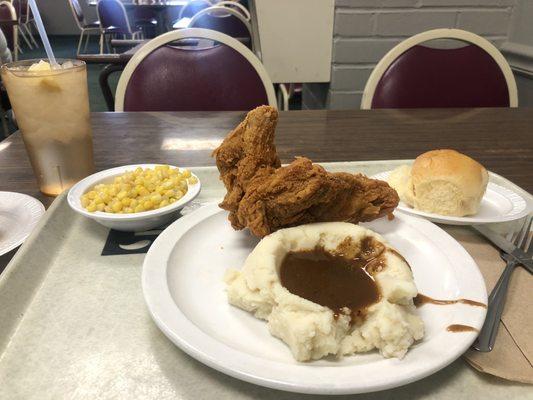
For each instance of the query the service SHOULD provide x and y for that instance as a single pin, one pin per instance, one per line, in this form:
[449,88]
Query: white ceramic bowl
[127,222]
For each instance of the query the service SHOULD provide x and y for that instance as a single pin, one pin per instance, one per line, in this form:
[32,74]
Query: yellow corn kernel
[192,180]
[126,201]
[100,207]
[127,210]
[134,203]
[163,203]
[139,208]
[144,191]
[116,206]
[91,195]
[172,200]
[91,207]
[108,209]
[122,194]
[85,201]
[186,173]
[148,205]
[179,194]
[156,198]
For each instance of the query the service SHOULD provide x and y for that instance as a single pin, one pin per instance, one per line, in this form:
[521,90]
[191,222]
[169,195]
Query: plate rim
[36,213]
[468,220]
[236,370]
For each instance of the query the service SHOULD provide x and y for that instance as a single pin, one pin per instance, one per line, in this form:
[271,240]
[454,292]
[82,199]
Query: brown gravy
[333,280]
[461,328]
[422,299]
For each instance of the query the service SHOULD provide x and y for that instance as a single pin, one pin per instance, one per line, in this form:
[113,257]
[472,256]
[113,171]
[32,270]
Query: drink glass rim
[14,67]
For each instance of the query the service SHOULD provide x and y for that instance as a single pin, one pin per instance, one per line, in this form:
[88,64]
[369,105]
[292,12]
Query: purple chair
[225,20]
[164,77]
[193,7]
[85,28]
[114,21]
[185,14]
[415,76]
[8,13]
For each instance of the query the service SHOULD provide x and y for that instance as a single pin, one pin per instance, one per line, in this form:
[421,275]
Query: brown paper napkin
[512,357]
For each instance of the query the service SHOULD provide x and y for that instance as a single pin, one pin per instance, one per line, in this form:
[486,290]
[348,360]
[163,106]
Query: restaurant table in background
[155,4]
[158,6]
[500,138]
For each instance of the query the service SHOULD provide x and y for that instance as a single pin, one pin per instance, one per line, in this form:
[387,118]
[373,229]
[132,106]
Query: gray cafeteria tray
[74,325]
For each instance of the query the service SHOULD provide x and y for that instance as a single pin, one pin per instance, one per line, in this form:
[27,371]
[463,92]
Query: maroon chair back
[113,15]
[9,32]
[425,77]
[216,78]
[220,21]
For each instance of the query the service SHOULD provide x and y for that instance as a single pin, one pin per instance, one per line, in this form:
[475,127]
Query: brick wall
[367,29]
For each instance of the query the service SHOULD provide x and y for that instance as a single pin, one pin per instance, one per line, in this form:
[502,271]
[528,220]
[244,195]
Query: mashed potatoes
[313,331]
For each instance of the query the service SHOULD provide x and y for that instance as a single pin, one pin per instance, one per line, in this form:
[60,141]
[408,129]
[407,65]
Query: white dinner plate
[499,204]
[183,287]
[19,213]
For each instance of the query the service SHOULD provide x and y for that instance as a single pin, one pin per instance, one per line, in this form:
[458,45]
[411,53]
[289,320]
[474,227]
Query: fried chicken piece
[247,152]
[265,198]
[303,192]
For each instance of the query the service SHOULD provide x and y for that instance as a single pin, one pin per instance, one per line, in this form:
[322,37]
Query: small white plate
[19,213]
[499,204]
[184,291]
[132,222]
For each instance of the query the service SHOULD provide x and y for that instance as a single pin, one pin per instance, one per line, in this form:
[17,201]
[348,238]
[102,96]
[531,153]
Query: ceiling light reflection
[190,144]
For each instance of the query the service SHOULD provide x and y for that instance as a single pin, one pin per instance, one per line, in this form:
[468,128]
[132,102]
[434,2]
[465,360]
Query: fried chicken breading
[247,152]
[264,198]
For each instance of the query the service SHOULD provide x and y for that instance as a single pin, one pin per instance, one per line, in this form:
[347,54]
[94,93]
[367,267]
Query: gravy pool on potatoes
[332,280]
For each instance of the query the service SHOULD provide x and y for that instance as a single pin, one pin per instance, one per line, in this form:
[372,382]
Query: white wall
[58,18]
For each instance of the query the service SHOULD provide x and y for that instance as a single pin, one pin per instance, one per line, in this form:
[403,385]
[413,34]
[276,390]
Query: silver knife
[514,252]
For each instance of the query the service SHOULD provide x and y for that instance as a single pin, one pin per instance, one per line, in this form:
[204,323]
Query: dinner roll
[447,182]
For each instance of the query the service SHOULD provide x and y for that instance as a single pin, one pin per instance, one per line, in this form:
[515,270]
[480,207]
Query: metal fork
[487,336]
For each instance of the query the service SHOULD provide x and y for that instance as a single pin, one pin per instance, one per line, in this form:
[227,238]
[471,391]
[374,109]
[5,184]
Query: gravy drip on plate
[422,299]
[461,328]
[336,281]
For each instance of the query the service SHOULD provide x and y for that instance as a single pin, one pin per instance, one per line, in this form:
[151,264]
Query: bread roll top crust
[450,165]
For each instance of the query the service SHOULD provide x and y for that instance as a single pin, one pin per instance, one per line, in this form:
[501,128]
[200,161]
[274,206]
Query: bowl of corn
[134,197]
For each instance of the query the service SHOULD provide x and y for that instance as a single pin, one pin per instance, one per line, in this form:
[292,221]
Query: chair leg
[21,32]
[87,42]
[28,29]
[283,97]
[103,79]
[80,41]
[3,117]
[101,43]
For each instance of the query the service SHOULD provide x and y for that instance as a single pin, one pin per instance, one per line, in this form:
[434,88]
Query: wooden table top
[501,139]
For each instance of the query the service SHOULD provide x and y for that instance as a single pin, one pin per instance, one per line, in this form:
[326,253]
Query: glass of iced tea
[51,107]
